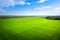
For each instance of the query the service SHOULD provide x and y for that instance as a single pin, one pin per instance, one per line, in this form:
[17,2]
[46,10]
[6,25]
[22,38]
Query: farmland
[29,28]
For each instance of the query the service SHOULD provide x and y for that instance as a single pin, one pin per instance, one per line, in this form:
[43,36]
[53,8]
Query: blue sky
[29,7]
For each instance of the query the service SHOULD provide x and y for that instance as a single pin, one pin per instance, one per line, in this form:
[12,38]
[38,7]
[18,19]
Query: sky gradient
[29,7]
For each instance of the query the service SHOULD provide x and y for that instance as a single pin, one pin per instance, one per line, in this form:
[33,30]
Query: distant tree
[53,17]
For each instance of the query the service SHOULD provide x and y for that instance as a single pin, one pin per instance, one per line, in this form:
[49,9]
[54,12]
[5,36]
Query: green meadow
[29,28]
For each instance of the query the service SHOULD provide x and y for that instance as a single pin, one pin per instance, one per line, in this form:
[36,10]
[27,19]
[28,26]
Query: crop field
[29,28]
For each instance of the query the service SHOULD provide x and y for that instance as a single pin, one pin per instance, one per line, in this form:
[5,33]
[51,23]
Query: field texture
[29,28]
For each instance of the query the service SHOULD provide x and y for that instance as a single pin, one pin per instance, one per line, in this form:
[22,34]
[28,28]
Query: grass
[29,28]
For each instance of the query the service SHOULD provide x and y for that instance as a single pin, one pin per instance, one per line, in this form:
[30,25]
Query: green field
[29,28]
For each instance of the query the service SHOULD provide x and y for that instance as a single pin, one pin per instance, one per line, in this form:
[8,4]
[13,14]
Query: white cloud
[20,3]
[2,11]
[46,7]
[38,13]
[7,3]
[58,9]
[28,3]
[47,10]
[43,8]
[42,1]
